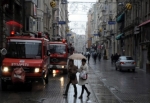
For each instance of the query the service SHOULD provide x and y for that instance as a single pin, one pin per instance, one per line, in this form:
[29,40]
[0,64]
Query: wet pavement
[105,84]
[99,91]
[127,87]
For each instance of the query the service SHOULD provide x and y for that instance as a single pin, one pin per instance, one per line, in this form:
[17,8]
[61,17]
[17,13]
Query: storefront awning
[144,23]
[118,37]
[120,17]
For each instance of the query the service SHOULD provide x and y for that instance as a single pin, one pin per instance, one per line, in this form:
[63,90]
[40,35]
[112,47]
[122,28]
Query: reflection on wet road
[51,93]
[48,93]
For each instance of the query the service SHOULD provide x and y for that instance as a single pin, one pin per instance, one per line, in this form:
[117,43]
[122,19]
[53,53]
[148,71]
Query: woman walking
[82,82]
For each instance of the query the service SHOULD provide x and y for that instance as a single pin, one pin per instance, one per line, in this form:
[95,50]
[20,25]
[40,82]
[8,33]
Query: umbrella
[14,23]
[77,56]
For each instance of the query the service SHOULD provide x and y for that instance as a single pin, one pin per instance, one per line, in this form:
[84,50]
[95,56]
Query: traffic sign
[111,22]
[61,22]
[68,34]
[96,35]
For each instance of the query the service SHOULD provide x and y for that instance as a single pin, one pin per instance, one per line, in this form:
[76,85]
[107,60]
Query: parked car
[125,63]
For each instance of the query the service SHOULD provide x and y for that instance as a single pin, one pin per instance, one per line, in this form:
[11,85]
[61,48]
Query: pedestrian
[72,70]
[88,56]
[99,56]
[112,59]
[71,49]
[83,68]
[116,57]
[95,56]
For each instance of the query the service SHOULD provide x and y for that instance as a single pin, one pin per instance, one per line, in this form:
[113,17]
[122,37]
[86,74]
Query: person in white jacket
[82,82]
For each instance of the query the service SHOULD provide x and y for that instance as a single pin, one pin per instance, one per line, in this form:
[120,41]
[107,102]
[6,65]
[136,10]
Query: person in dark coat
[88,56]
[95,56]
[99,56]
[116,57]
[72,70]
[112,59]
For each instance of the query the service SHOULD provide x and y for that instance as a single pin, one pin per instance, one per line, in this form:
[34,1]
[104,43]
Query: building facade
[60,19]
[11,18]
[104,27]
[133,23]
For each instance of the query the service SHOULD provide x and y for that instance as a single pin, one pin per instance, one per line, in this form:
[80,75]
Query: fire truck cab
[58,55]
[28,52]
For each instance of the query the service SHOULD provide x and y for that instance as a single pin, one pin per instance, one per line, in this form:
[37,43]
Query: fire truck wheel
[3,85]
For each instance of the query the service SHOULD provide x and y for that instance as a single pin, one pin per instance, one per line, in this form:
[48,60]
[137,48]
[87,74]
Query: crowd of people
[97,56]
[94,55]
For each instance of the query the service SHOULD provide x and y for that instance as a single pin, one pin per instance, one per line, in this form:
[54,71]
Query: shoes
[75,96]
[80,97]
[88,94]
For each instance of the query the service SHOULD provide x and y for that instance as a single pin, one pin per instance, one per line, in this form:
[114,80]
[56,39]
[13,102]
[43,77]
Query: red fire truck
[58,55]
[26,59]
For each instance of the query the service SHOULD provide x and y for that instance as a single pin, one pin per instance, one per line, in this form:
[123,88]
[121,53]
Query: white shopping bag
[83,75]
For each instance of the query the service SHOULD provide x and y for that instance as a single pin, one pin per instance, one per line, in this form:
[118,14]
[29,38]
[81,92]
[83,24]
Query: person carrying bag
[83,75]
[72,70]
[83,78]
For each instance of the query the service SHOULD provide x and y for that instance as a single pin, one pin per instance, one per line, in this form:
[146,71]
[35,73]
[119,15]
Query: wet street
[105,84]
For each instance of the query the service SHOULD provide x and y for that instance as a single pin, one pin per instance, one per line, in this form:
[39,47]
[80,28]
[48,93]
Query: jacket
[71,70]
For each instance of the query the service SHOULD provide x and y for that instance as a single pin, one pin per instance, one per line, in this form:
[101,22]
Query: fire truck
[26,59]
[58,55]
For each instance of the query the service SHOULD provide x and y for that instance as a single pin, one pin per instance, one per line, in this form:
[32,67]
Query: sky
[78,14]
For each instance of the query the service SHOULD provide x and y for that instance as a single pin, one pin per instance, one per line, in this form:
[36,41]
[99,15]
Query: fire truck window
[60,49]
[24,50]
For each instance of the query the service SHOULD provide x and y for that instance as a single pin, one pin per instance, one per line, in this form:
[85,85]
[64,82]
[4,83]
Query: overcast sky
[78,12]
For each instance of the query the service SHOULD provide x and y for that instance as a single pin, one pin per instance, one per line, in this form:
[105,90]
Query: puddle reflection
[62,81]
[68,100]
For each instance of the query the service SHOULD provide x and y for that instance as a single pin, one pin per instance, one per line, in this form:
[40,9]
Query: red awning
[14,23]
[146,22]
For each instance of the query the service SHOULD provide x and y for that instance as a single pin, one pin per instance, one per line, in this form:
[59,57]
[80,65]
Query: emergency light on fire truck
[12,33]
[38,35]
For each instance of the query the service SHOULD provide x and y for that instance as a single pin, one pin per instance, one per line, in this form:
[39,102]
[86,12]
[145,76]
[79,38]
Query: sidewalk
[102,93]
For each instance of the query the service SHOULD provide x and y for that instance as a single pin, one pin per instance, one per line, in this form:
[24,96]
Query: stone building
[11,18]
[60,19]
[133,24]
